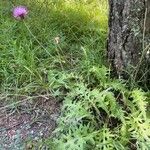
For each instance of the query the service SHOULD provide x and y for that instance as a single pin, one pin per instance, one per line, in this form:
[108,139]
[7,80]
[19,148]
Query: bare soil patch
[27,120]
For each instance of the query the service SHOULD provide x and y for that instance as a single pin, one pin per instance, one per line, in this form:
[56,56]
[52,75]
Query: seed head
[57,40]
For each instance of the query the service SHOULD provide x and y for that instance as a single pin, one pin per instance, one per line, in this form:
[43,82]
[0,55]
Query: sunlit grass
[28,50]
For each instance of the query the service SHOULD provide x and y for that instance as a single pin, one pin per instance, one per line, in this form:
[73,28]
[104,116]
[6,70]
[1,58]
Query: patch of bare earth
[27,120]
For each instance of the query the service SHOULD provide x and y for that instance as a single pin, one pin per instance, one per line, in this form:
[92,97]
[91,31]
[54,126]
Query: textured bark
[129,24]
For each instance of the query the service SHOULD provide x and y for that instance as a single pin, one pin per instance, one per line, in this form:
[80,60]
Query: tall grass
[28,47]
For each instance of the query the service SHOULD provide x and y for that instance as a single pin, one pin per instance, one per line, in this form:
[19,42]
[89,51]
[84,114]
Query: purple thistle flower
[20,12]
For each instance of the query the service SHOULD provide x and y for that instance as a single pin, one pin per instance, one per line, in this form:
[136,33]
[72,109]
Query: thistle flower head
[20,12]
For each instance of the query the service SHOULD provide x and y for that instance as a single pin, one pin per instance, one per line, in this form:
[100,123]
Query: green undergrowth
[60,49]
[99,113]
[29,49]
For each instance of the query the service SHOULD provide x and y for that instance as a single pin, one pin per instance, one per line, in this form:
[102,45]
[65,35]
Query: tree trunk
[129,33]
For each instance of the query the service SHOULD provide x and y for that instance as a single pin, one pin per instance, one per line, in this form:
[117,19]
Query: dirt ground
[27,120]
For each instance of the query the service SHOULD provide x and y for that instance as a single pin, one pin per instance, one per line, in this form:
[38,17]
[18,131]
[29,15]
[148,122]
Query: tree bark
[129,33]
